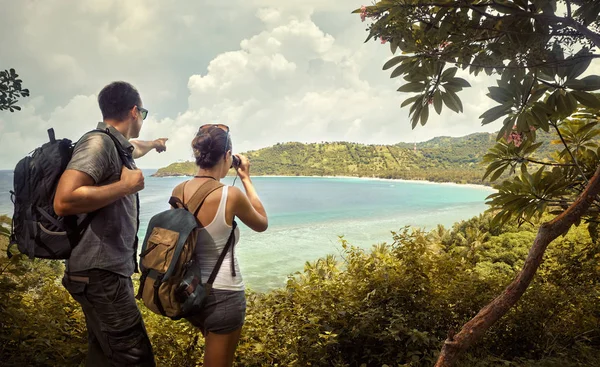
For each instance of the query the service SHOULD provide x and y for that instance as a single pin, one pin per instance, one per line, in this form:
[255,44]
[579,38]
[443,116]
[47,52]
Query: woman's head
[211,145]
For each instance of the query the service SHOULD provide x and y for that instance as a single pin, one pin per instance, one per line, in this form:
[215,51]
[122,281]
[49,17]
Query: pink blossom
[363,13]
[383,41]
[516,138]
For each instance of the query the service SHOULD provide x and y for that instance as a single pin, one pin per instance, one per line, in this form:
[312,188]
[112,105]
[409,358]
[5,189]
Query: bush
[392,305]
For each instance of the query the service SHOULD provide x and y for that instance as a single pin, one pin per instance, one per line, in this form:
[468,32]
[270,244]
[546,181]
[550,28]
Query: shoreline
[425,182]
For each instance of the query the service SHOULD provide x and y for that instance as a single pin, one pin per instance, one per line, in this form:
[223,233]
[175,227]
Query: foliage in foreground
[392,304]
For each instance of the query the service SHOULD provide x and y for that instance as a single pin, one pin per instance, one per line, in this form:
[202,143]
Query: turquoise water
[307,214]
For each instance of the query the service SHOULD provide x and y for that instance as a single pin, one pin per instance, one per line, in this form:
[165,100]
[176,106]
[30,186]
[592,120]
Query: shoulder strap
[200,195]
[125,156]
[176,200]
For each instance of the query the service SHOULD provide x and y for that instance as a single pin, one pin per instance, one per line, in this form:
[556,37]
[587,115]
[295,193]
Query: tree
[11,90]
[539,49]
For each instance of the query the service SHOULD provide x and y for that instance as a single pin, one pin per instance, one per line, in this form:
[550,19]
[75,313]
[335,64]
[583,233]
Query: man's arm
[77,194]
[142,147]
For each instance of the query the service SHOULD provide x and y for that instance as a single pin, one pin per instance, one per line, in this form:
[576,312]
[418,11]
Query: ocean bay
[307,214]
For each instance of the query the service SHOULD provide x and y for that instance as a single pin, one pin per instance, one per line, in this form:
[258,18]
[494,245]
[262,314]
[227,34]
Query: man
[98,273]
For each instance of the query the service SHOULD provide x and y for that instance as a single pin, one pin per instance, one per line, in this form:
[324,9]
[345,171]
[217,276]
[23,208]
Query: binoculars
[235,163]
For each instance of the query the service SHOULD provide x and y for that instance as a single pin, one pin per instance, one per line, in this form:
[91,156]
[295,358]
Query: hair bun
[209,146]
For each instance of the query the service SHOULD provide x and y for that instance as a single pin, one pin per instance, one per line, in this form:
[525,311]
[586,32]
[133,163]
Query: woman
[222,317]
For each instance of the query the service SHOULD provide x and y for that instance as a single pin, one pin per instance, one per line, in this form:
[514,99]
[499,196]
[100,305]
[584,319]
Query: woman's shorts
[224,312]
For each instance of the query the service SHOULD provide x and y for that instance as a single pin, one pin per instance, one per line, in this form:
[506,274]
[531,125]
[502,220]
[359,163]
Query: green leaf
[452,87]
[571,102]
[589,83]
[459,82]
[417,114]
[449,73]
[579,68]
[561,105]
[437,102]
[452,101]
[424,115]
[586,99]
[541,119]
[418,103]
[498,173]
[410,100]
[494,113]
[401,69]
[394,61]
[492,167]
[412,87]
[500,95]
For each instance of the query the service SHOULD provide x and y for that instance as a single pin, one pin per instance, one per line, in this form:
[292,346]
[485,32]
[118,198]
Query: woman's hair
[210,146]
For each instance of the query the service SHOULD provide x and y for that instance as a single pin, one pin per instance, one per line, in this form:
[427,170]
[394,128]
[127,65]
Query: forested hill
[439,159]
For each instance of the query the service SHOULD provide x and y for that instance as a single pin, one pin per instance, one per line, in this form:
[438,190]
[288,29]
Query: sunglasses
[143,111]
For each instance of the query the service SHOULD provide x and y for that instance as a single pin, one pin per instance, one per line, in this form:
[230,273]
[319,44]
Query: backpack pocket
[160,249]
[56,244]
[35,240]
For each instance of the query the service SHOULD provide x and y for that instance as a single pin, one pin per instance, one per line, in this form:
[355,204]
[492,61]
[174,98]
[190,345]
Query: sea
[307,216]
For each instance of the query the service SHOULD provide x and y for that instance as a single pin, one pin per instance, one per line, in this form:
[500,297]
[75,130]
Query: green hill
[439,159]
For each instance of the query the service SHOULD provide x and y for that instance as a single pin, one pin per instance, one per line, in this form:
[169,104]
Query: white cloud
[274,71]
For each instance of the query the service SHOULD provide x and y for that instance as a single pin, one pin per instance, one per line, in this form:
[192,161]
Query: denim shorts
[223,313]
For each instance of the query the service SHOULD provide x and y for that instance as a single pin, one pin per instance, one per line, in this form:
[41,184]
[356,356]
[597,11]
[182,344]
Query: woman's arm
[248,207]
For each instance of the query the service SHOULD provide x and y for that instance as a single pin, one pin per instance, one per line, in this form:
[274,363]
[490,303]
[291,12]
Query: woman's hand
[243,170]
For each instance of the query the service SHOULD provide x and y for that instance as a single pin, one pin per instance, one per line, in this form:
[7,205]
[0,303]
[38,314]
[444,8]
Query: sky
[274,71]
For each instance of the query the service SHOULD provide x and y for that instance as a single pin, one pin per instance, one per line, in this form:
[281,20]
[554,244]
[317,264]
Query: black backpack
[36,229]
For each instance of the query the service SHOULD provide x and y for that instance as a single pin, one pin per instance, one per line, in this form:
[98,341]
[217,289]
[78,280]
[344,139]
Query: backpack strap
[230,243]
[200,195]
[176,200]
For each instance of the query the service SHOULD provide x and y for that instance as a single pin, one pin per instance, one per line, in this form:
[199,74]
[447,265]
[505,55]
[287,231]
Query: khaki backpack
[171,283]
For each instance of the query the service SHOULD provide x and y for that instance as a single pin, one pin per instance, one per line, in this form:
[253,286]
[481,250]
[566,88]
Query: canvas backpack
[171,282]
[37,230]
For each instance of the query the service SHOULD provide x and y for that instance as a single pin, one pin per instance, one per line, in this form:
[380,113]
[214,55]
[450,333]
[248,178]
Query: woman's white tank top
[211,242]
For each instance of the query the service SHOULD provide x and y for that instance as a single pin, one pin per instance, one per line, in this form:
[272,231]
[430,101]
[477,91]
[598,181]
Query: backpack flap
[167,233]
[160,249]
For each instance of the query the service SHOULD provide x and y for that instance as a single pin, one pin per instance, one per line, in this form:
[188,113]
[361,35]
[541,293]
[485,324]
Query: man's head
[121,104]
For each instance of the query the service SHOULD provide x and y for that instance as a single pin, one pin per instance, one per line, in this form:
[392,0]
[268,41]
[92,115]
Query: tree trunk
[473,330]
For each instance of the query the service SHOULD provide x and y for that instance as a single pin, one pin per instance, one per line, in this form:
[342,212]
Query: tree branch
[473,330]
[547,163]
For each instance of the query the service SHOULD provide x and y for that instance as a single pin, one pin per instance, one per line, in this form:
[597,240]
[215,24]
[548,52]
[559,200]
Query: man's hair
[116,99]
